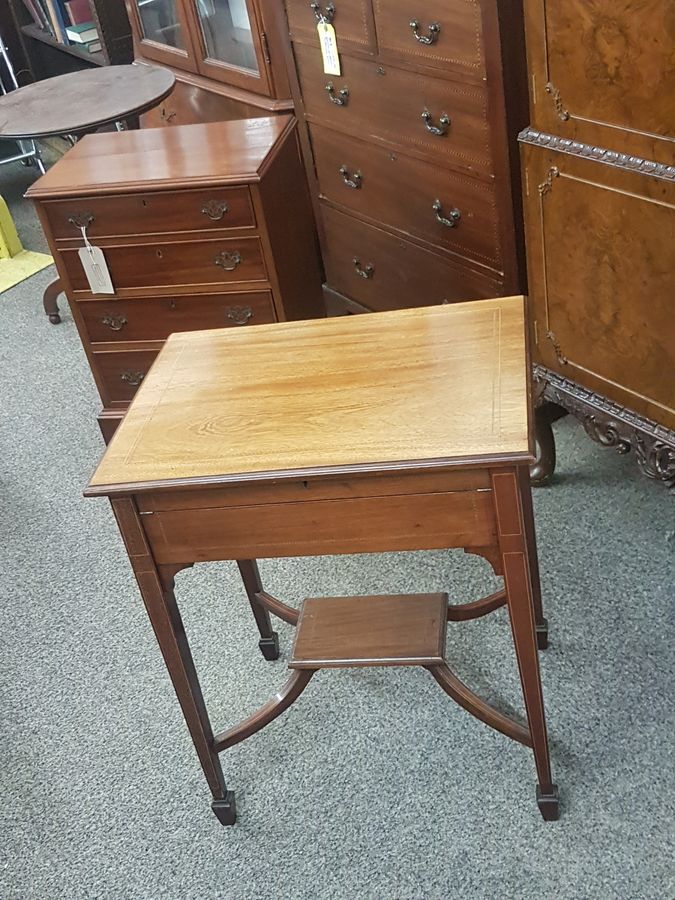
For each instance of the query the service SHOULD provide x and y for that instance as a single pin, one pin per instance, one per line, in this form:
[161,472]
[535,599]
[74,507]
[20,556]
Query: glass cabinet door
[161,29]
[160,22]
[232,43]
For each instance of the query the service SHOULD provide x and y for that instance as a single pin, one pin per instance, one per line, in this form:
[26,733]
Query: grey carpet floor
[374,785]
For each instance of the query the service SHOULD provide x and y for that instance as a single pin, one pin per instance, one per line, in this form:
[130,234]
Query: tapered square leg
[226,809]
[269,639]
[156,584]
[532,557]
[548,802]
[511,507]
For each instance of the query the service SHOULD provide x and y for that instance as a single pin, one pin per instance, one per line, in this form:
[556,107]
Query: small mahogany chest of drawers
[202,226]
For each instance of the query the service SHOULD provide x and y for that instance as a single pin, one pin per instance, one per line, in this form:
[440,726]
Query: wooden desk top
[437,386]
[82,101]
[160,158]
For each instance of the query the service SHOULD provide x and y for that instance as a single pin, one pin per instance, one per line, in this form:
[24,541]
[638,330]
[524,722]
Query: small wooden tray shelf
[393,630]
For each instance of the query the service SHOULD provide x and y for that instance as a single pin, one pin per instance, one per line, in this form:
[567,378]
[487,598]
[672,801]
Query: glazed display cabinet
[226,54]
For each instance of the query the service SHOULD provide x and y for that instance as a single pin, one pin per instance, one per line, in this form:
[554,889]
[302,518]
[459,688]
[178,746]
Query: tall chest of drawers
[201,226]
[412,149]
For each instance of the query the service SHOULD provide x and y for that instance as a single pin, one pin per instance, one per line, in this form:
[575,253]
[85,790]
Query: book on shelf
[56,17]
[79,11]
[91,47]
[84,33]
[37,14]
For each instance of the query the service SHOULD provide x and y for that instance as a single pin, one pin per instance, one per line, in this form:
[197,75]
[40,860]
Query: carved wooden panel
[603,72]
[601,278]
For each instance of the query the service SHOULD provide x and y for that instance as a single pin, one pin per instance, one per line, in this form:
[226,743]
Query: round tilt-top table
[79,103]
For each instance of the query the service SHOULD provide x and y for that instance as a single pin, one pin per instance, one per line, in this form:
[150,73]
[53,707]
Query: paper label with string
[95,267]
[329,50]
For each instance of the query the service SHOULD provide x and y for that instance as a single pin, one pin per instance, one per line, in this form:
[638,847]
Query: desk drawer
[121,373]
[152,213]
[147,266]
[392,273]
[352,21]
[388,103]
[157,318]
[311,528]
[448,33]
[401,192]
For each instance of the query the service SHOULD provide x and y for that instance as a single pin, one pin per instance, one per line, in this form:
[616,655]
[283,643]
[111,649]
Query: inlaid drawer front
[157,318]
[152,213]
[351,19]
[147,266]
[444,34]
[122,373]
[443,119]
[450,211]
[381,271]
[413,522]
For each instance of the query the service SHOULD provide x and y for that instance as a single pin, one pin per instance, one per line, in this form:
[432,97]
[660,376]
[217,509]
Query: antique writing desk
[406,430]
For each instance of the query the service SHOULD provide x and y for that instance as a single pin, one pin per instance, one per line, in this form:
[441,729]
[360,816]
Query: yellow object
[16,264]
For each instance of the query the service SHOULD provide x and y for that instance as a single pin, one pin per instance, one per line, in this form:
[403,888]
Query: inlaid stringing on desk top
[438,383]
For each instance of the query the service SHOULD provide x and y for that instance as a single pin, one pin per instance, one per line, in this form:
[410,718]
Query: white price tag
[95,266]
[96,269]
[329,50]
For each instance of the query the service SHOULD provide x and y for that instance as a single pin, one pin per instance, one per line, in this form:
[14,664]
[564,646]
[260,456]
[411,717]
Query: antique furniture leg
[49,303]
[541,622]
[156,587]
[269,639]
[510,507]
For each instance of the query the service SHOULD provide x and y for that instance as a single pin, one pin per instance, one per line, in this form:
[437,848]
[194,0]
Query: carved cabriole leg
[49,303]
[510,513]
[542,471]
[269,639]
[156,586]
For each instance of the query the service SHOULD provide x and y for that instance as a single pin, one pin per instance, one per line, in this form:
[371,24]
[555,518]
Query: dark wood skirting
[606,422]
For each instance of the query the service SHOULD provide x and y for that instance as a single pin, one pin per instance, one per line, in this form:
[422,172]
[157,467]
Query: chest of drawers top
[194,156]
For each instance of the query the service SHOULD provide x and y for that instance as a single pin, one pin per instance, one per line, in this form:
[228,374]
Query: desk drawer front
[122,373]
[213,262]
[388,103]
[156,319]
[392,273]
[447,33]
[352,20]
[312,528]
[401,192]
[153,213]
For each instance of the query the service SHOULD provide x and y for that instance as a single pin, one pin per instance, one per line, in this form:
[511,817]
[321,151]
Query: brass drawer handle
[355,181]
[366,272]
[454,215]
[132,378]
[340,99]
[228,260]
[325,15]
[215,209]
[115,323]
[166,116]
[81,219]
[239,314]
[440,129]
[431,38]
